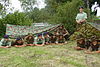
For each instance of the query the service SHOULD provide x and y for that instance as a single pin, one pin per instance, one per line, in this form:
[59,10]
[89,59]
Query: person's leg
[89,52]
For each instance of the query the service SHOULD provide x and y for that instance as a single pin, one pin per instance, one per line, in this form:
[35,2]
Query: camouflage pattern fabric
[16,30]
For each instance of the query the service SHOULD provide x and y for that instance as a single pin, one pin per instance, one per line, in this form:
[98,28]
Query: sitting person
[39,40]
[61,39]
[18,43]
[29,40]
[80,44]
[5,42]
[46,38]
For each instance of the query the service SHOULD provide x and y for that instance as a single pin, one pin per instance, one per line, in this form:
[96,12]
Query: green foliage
[38,15]
[27,5]
[3,7]
[16,19]
[66,13]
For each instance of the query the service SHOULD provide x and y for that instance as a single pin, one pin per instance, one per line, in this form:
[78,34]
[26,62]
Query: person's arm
[66,32]
[43,41]
[77,19]
[25,38]
[1,42]
[84,20]
[85,17]
[35,40]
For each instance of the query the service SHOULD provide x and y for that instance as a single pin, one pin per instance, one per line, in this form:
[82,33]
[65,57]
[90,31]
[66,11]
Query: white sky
[17,5]
[40,4]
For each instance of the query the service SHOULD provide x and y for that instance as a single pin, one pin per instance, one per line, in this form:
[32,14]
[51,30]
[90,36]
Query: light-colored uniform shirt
[36,40]
[81,16]
[6,43]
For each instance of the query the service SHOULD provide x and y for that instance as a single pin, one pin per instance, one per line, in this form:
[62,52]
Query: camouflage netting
[16,31]
[87,30]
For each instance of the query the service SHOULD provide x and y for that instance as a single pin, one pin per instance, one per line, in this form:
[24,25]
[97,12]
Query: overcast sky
[17,5]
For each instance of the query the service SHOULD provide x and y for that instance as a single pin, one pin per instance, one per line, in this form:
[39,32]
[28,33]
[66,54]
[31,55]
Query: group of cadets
[91,45]
[41,39]
[59,36]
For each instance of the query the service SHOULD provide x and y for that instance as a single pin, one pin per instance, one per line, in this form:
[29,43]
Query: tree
[4,4]
[15,18]
[27,5]
[38,15]
[65,13]
[53,4]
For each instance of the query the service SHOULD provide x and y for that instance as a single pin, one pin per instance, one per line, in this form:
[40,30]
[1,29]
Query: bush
[66,14]
[16,19]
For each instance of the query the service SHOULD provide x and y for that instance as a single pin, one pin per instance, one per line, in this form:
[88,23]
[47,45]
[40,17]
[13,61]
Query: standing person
[81,17]
[5,42]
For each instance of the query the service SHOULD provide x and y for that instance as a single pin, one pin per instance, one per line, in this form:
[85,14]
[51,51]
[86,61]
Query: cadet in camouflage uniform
[46,38]
[80,43]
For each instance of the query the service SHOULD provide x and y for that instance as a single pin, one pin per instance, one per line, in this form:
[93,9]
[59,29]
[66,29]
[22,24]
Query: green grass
[48,56]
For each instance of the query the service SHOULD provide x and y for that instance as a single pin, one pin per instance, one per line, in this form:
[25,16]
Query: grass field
[47,56]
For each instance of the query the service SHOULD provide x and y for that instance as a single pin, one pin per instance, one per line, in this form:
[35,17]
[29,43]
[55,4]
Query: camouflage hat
[79,37]
[93,40]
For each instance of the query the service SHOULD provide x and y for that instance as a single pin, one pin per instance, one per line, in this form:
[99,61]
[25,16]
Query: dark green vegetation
[56,11]
[48,56]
